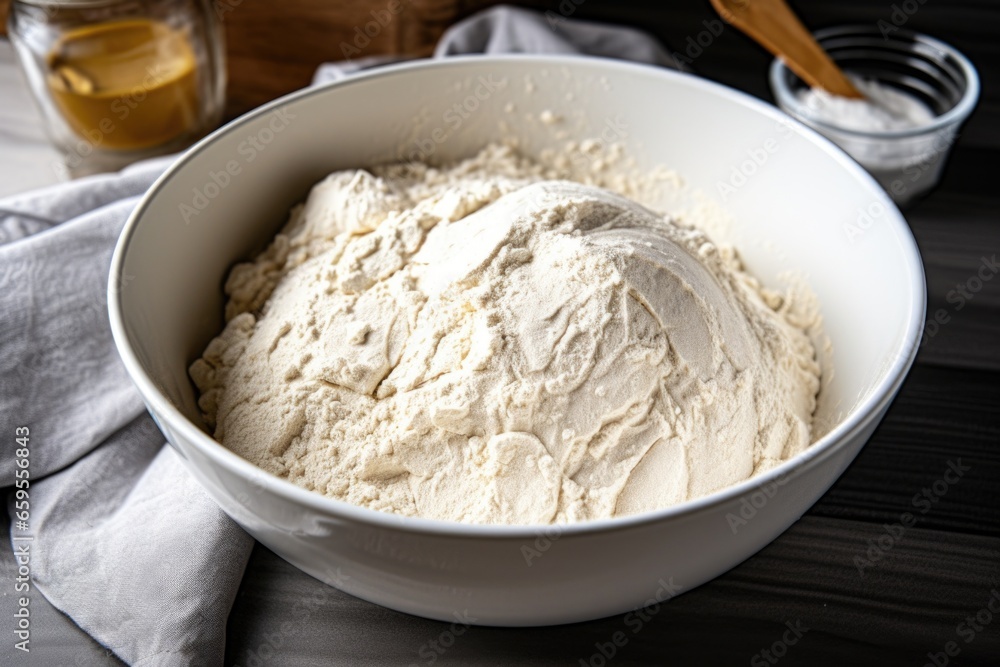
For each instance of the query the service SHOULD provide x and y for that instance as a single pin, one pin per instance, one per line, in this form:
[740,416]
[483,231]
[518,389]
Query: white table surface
[27,160]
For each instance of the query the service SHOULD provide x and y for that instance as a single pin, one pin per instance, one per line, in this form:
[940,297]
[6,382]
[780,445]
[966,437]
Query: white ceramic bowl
[795,205]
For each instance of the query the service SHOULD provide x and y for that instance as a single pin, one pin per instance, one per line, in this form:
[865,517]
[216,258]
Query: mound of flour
[487,344]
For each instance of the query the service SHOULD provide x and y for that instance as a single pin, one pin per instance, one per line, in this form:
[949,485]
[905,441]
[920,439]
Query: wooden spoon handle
[773,25]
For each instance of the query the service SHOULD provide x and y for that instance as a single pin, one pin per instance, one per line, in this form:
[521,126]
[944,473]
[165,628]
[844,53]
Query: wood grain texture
[274,48]
[806,577]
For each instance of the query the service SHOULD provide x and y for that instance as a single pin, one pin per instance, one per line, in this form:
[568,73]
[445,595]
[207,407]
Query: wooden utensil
[773,25]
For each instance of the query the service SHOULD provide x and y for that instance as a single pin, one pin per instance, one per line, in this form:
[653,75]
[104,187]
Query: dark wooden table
[920,594]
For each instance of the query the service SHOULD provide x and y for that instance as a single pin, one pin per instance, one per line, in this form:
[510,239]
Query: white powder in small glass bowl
[883,109]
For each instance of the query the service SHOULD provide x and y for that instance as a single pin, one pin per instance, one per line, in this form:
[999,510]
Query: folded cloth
[124,541]
[504,29]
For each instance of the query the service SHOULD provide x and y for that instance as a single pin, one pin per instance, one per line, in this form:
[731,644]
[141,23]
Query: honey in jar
[125,84]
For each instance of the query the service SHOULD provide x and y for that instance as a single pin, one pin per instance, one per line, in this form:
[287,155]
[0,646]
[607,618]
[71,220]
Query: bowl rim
[830,443]
[955,116]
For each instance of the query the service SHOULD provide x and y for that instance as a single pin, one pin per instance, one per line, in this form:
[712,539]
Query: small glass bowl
[907,163]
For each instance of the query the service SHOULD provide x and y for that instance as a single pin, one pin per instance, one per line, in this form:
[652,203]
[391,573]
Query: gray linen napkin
[124,541]
[506,29]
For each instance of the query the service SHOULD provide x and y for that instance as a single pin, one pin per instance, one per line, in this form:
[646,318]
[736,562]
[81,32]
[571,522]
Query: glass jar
[121,80]
[907,163]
